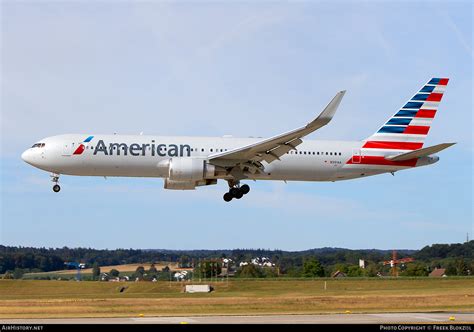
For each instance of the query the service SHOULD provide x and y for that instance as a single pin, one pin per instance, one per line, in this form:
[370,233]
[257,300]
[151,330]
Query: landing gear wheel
[56,188]
[228,197]
[245,189]
[234,192]
[239,194]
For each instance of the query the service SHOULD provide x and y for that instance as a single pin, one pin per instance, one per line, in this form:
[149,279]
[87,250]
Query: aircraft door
[68,148]
[356,156]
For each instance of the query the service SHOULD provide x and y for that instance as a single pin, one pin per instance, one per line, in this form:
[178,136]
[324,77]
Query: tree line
[457,259]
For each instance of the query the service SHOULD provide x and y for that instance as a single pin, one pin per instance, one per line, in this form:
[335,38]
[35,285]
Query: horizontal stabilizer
[420,152]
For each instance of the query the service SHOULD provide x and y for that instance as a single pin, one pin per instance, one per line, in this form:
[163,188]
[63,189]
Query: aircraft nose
[26,156]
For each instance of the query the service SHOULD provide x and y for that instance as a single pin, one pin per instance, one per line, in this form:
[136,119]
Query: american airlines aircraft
[189,162]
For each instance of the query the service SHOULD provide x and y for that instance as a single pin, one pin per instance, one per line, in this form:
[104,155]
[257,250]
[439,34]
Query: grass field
[41,299]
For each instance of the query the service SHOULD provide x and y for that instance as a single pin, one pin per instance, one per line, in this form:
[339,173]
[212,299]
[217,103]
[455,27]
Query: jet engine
[190,169]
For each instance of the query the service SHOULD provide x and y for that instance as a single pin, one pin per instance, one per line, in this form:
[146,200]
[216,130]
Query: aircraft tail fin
[408,128]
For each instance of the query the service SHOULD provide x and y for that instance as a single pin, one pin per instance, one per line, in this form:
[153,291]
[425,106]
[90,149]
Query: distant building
[339,274]
[226,262]
[362,264]
[259,261]
[180,275]
[437,273]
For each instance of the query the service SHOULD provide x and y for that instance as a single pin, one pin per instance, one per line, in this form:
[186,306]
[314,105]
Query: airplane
[189,162]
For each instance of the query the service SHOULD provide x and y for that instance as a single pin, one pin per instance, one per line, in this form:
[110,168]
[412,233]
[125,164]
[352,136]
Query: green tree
[461,267]
[184,261]
[371,270]
[208,269]
[114,273]
[152,269]
[355,271]
[95,271]
[269,272]
[415,270]
[139,272]
[293,272]
[451,269]
[18,273]
[249,271]
[341,267]
[312,268]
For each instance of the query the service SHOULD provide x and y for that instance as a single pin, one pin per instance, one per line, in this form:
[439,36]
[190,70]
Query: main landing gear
[236,191]
[55,180]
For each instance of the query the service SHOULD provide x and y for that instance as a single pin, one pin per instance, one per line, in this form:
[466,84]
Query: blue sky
[240,68]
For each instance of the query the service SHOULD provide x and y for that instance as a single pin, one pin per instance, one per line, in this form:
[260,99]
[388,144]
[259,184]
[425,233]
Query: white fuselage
[145,156]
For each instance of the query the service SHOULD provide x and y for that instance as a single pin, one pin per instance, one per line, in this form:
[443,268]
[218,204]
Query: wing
[271,149]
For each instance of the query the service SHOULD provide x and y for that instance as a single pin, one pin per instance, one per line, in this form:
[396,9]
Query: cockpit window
[38,145]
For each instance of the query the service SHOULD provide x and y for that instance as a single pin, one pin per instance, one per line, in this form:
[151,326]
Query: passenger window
[202,150]
[326,153]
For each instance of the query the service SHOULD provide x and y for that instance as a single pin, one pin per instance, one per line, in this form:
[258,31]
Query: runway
[348,318]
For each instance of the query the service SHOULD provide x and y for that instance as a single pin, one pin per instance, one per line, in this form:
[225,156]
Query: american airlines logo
[135,149]
[80,149]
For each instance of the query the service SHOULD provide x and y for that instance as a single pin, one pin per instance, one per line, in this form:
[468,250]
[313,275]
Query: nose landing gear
[55,180]
[236,191]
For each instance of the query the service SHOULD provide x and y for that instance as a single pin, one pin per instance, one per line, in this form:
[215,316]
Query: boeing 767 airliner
[189,162]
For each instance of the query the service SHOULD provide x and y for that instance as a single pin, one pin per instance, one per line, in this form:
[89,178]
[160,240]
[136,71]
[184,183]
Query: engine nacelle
[179,185]
[189,169]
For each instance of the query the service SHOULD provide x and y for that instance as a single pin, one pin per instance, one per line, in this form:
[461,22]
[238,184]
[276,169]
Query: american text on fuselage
[135,149]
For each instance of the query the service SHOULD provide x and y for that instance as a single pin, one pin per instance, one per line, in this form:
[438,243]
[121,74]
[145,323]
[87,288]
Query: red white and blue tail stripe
[407,129]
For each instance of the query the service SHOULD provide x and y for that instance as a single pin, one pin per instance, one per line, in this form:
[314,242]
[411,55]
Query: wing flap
[420,152]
